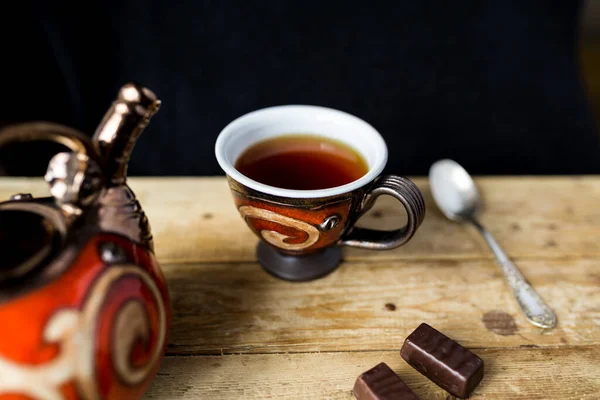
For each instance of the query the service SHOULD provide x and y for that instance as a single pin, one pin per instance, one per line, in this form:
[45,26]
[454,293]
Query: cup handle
[411,198]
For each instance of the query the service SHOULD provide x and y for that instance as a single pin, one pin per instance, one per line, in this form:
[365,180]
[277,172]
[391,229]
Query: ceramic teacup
[301,231]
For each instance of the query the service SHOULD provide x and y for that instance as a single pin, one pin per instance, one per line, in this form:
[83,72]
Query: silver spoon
[457,197]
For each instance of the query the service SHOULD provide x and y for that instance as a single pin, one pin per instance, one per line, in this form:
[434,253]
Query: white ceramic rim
[372,148]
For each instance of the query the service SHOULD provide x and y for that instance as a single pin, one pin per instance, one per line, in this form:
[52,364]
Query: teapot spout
[120,128]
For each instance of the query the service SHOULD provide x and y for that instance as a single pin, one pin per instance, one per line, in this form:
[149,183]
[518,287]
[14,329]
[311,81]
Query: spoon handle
[534,307]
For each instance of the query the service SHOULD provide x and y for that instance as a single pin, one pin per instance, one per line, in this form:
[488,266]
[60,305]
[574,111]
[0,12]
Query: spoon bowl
[454,190]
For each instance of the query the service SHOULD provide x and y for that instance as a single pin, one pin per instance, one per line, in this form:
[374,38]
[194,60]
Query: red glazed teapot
[84,307]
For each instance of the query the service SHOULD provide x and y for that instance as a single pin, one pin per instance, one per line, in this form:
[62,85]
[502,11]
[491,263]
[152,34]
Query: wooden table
[240,333]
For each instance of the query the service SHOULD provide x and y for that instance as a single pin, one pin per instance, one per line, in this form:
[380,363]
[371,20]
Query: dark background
[495,85]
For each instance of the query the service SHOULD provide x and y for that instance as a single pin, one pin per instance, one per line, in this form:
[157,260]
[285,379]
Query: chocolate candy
[445,362]
[381,383]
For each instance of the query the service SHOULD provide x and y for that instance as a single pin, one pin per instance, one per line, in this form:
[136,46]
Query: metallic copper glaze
[121,127]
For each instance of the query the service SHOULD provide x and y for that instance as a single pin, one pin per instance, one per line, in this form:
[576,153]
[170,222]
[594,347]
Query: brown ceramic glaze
[304,226]
[295,226]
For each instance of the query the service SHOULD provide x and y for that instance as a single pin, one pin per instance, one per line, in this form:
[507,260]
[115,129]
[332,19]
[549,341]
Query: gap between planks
[408,259]
[476,348]
[532,374]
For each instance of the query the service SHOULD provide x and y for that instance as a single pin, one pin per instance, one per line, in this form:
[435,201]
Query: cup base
[298,268]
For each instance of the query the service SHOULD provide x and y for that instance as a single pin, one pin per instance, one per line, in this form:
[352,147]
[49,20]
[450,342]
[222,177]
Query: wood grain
[238,308]
[511,374]
[194,220]
[224,304]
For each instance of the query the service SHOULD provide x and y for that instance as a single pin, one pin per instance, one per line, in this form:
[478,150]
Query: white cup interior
[272,122]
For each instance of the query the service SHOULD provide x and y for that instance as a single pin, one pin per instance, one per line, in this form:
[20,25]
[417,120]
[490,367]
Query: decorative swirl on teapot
[278,239]
[74,331]
[132,324]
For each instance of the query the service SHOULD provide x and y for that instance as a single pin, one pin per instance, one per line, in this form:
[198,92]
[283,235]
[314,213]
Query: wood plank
[239,308]
[567,373]
[194,220]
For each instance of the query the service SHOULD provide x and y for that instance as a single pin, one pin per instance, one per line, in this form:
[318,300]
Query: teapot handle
[74,177]
[50,131]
